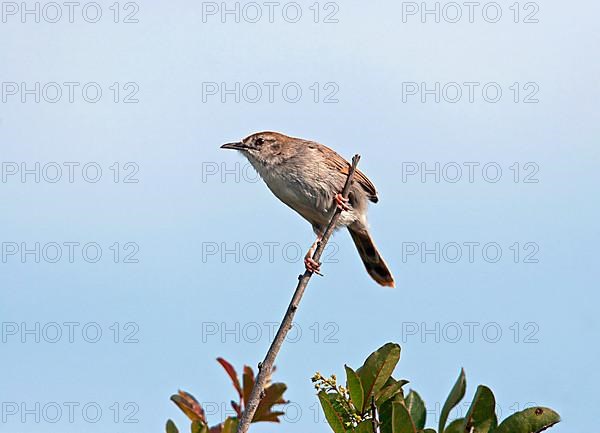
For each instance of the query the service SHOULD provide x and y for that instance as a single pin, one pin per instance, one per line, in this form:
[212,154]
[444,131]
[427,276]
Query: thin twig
[265,367]
[374,420]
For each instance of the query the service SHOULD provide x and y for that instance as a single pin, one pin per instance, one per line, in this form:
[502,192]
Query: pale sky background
[177,301]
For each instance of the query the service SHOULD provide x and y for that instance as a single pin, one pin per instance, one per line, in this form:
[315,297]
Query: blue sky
[198,259]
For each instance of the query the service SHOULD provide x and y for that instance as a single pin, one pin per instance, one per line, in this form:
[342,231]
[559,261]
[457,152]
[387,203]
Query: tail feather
[374,263]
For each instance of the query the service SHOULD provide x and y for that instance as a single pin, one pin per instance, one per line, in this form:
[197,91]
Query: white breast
[292,188]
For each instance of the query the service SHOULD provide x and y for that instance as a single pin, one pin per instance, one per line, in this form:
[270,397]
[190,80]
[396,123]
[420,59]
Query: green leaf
[401,421]
[455,426]
[455,396]
[390,389]
[199,427]
[230,425]
[171,427]
[364,427]
[334,418]
[355,388]
[385,413]
[481,416]
[532,420]
[385,416]
[416,408]
[427,430]
[377,369]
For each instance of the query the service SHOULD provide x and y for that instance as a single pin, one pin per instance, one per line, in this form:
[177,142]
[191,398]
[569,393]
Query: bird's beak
[235,146]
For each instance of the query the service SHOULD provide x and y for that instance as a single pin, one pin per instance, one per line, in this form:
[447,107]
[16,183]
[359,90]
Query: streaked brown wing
[339,163]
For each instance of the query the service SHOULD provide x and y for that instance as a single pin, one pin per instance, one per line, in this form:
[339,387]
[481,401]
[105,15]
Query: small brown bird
[309,177]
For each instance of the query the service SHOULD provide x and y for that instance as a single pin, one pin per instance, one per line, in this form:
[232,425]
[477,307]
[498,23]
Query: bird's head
[264,147]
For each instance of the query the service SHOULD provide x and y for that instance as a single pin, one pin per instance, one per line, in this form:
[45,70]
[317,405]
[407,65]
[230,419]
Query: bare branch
[265,367]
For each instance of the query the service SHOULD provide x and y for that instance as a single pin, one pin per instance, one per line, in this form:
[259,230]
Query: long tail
[374,263]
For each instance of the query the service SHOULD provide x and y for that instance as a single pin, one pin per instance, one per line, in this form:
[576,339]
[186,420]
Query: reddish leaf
[237,408]
[273,396]
[189,405]
[270,376]
[269,417]
[248,379]
[232,374]
[216,429]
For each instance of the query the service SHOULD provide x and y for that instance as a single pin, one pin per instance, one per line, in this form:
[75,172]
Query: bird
[308,177]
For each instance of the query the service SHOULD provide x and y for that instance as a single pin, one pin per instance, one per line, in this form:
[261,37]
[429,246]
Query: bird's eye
[259,141]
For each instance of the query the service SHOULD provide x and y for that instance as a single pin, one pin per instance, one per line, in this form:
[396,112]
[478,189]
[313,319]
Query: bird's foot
[312,265]
[341,202]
